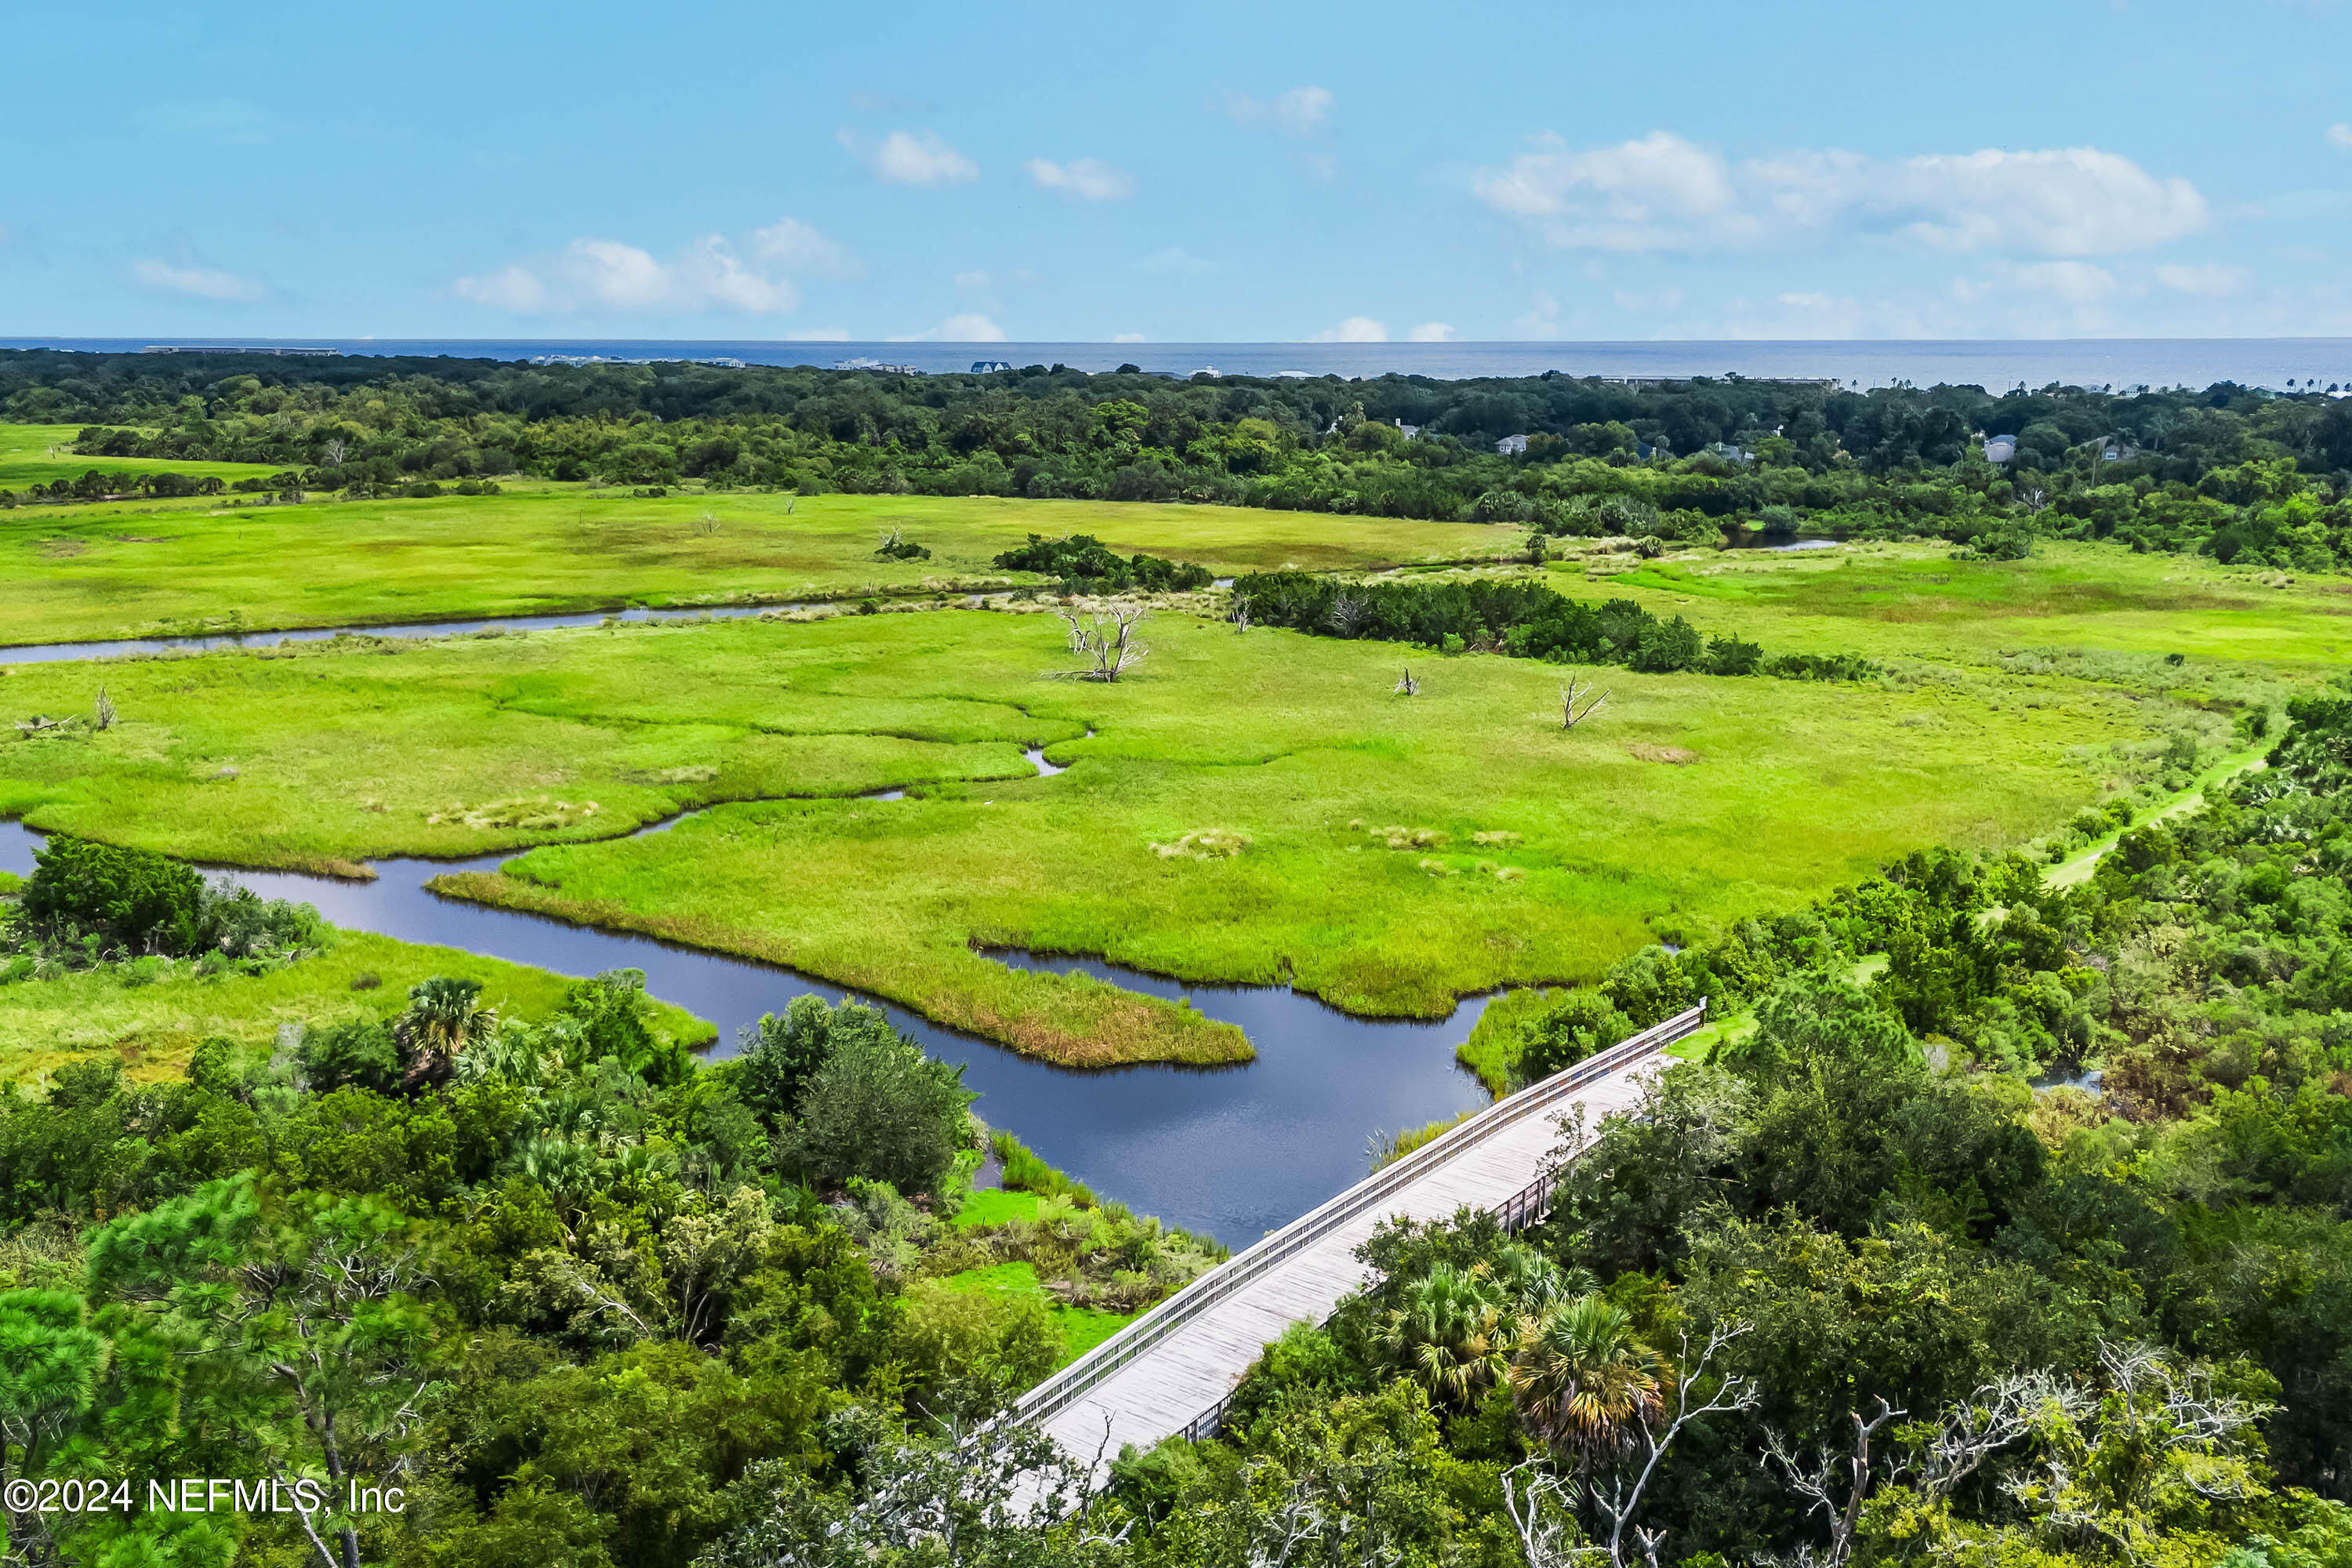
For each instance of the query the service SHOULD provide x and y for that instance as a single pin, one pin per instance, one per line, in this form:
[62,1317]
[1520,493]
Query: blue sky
[1199,172]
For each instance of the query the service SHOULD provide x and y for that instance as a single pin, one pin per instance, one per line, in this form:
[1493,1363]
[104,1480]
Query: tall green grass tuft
[1026,1172]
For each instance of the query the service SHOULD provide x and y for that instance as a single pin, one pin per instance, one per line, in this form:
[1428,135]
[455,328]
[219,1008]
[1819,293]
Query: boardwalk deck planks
[1172,1369]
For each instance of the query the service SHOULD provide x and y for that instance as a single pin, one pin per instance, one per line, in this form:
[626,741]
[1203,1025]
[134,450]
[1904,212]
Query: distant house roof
[2000,448]
[990,367]
[1511,446]
[1410,430]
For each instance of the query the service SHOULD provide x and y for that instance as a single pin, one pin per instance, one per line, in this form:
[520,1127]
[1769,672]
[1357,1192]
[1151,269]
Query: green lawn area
[1226,822]
[153,1026]
[1082,1328]
[107,571]
[37,454]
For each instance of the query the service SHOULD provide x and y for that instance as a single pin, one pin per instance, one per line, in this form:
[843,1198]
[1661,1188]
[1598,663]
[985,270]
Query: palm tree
[442,1013]
[1582,1379]
[1450,1331]
[441,1021]
[1534,1281]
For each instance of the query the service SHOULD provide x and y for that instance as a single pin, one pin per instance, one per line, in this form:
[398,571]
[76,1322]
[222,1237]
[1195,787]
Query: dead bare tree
[2034,498]
[1574,692]
[105,714]
[335,451]
[1348,614]
[1542,1509]
[1107,639]
[707,524]
[1998,1413]
[1814,1482]
[1734,1391]
[1408,687]
[1241,613]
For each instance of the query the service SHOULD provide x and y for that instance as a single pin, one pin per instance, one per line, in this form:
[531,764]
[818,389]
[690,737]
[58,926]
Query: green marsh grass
[1913,601]
[128,569]
[323,754]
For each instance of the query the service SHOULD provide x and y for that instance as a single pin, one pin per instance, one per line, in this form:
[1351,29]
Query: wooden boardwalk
[1174,1368]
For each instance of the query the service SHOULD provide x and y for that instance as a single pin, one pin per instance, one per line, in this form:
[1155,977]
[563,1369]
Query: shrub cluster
[1520,618]
[848,1096]
[112,899]
[1084,566]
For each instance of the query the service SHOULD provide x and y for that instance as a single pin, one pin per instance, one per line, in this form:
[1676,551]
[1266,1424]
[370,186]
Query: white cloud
[2339,136]
[2076,200]
[1298,111]
[1431,332]
[912,158]
[974,282]
[1354,329]
[1086,179]
[1662,192]
[970,328]
[1629,189]
[798,248]
[592,277]
[1129,338]
[199,282]
[2210,281]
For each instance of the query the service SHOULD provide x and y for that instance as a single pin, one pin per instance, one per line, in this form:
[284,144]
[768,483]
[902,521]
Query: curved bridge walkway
[1175,1368]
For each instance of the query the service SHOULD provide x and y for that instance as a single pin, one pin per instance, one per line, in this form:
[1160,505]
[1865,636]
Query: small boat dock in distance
[1174,1369]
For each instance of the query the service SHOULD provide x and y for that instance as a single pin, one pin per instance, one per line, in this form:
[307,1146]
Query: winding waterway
[1234,1151]
[52,652]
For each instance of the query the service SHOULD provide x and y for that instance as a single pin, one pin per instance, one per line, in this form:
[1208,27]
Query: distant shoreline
[1995,365]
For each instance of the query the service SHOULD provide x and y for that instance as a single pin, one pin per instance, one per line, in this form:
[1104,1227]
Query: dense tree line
[2233,470]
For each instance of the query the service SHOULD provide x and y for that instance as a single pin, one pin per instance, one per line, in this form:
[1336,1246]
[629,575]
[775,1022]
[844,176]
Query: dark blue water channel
[1234,1151]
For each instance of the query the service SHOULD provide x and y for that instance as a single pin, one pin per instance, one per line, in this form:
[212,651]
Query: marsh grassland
[1255,808]
[1915,601]
[112,570]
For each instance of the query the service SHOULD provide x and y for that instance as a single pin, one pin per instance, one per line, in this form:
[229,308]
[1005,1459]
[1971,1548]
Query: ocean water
[1996,365]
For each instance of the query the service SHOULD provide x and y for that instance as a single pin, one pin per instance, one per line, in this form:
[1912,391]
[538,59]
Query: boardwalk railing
[1072,1383]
